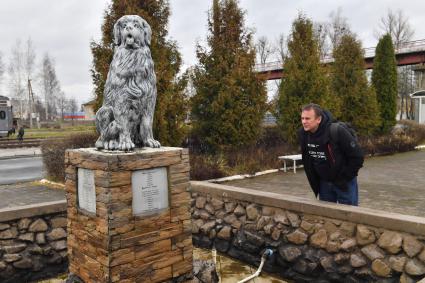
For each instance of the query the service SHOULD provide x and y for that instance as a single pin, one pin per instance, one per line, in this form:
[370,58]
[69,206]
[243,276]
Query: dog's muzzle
[130,41]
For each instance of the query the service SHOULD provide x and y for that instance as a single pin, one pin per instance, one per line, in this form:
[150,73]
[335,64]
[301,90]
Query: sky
[65,28]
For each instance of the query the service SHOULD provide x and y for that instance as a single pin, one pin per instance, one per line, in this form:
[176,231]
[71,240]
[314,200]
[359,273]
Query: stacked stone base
[113,245]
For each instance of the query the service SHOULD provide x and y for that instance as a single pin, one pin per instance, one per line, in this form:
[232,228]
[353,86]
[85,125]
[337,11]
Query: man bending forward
[331,166]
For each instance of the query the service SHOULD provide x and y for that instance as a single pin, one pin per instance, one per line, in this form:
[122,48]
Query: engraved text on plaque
[86,190]
[150,190]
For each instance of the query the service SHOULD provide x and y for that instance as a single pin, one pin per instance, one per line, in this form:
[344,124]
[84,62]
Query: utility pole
[30,100]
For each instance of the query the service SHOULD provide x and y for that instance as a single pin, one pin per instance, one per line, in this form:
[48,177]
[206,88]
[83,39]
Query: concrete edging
[17,212]
[360,215]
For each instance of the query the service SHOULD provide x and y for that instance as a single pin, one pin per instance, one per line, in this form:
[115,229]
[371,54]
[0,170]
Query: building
[88,109]
[419,106]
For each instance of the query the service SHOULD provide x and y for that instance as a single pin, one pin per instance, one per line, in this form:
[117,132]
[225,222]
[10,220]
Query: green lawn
[57,133]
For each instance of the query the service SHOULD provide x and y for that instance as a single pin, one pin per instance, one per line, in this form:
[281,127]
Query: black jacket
[334,161]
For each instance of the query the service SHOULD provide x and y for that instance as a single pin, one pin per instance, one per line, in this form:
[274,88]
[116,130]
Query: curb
[245,176]
[20,156]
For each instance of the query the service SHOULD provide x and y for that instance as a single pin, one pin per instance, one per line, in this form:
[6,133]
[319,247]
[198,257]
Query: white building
[419,106]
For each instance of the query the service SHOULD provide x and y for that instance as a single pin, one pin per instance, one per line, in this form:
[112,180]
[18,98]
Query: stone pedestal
[120,226]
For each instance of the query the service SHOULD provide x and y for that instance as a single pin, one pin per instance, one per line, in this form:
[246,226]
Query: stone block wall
[312,241]
[33,242]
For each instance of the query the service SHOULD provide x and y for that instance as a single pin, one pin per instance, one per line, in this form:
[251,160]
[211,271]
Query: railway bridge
[408,53]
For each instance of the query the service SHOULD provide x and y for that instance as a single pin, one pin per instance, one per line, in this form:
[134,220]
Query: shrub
[238,160]
[405,136]
[53,152]
[388,144]
[204,166]
[414,130]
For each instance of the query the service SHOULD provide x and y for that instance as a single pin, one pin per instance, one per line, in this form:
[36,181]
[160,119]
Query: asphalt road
[20,170]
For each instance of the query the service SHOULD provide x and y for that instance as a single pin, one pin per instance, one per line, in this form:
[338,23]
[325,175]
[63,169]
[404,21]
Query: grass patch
[48,184]
[58,133]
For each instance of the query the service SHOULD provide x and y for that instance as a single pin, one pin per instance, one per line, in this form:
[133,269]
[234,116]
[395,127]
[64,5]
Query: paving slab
[393,183]
[27,193]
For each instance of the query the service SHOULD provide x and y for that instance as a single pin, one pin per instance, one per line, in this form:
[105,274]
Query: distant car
[6,117]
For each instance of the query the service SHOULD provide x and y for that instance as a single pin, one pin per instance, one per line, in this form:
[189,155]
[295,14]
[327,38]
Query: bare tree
[406,86]
[329,33]
[72,107]
[337,27]
[50,85]
[16,76]
[320,33]
[2,67]
[62,103]
[396,25]
[20,70]
[29,58]
[29,62]
[264,49]
[281,48]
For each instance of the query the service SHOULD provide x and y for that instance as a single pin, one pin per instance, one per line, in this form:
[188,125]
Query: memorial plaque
[150,190]
[86,190]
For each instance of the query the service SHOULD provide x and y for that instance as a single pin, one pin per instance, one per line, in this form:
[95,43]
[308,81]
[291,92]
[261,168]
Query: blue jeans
[330,192]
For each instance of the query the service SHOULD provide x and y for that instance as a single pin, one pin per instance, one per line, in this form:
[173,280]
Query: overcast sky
[64,28]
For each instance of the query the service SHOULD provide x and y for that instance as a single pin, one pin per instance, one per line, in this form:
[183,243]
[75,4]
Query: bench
[294,158]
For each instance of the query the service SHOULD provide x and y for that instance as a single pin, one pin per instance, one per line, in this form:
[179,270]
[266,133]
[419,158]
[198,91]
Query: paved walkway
[28,193]
[6,153]
[393,183]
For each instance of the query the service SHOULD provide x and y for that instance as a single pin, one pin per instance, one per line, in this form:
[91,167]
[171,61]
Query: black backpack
[346,126]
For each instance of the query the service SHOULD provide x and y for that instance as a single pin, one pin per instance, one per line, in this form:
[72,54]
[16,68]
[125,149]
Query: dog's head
[132,32]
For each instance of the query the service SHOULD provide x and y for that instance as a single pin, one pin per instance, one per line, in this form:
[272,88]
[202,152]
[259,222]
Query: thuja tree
[304,80]
[171,103]
[384,79]
[230,99]
[349,83]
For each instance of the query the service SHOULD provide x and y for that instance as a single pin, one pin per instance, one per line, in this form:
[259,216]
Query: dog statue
[125,119]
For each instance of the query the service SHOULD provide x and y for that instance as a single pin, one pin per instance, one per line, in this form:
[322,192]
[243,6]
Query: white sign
[150,190]
[86,190]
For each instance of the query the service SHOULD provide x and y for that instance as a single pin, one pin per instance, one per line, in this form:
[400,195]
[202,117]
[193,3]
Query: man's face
[310,121]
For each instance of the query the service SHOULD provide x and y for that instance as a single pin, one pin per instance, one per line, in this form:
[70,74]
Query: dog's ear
[147,32]
[117,32]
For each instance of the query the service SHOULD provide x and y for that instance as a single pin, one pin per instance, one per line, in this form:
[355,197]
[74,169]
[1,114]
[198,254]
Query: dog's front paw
[152,143]
[125,144]
[99,144]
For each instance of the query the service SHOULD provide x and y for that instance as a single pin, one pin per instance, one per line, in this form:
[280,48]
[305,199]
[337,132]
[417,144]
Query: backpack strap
[334,132]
